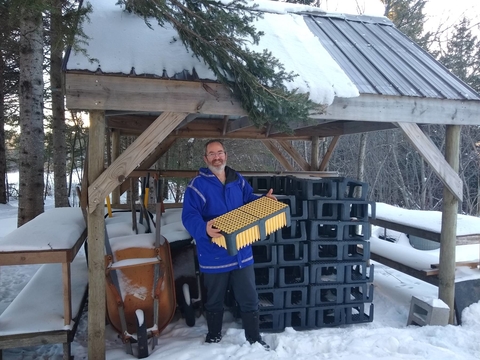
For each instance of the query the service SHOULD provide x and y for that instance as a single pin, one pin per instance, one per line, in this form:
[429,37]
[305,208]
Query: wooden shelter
[399,86]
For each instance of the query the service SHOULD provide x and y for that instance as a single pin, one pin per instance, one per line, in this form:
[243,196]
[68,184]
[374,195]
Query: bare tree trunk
[58,108]
[30,202]
[478,197]
[423,185]
[401,183]
[361,160]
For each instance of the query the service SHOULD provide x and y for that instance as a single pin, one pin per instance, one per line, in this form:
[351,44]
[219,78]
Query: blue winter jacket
[206,198]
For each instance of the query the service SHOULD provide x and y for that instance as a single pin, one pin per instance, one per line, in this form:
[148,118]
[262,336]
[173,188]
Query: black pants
[243,285]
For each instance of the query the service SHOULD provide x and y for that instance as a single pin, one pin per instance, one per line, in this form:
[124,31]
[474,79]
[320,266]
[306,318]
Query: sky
[386,337]
[439,13]
[434,8]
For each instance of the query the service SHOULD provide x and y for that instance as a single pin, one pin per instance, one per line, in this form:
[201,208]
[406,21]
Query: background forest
[39,136]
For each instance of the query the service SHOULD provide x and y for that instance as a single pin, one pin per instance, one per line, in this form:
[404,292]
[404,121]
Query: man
[216,190]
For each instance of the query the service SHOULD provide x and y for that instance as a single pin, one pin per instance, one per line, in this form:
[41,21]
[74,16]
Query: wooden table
[51,246]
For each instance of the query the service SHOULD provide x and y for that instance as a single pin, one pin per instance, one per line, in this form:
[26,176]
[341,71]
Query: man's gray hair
[214,141]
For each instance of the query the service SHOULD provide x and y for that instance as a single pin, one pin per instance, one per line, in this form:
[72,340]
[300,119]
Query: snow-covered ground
[387,337]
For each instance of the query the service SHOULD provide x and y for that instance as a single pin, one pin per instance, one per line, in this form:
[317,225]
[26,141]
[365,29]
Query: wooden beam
[199,128]
[161,149]
[135,123]
[107,92]
[96,240]
[448,236]
[214,128]
[434,157]
[298,125]
[193,173]
[67,293]
[328,154]
[381,108]
[187,120]
[334,128]
[240,124]
[225,125]
[294,154]
[115,154]
[132,157]
[278,155]
[314,155]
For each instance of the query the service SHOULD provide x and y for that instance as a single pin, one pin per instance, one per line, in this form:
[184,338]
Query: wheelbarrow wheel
[188,310]
[142,337]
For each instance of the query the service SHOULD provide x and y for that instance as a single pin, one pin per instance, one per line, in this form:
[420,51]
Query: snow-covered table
[52,238]
[424,224]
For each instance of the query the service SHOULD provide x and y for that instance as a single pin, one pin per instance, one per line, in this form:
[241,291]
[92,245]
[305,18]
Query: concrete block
[424,311]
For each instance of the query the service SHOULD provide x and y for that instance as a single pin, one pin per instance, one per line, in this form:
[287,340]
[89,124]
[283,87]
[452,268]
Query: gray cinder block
[428,312]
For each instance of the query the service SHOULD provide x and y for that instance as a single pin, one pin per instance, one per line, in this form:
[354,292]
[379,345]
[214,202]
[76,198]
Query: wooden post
[96,242]
[115,155]
[448,237]
[314,157]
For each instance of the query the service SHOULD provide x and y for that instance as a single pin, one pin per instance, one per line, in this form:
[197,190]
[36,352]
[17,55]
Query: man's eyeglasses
[214,154]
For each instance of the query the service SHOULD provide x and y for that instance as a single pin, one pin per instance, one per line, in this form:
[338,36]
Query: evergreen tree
[9,76]
[218,34]
[462,56]
[408,17]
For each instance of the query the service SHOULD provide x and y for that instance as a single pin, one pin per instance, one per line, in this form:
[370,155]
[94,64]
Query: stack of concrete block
[316,272]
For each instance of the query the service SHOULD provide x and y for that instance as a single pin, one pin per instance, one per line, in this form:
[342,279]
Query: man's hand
[211,231]
[270,195]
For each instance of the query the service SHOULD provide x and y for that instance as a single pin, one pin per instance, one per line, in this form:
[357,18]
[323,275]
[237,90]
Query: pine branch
[219,34]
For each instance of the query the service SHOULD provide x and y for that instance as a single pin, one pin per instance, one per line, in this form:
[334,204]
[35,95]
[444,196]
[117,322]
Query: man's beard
[217,169]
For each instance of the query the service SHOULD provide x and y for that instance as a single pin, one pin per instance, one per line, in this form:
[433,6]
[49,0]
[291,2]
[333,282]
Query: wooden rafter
[188,119]
[297,125]
[210,127]
[343,128]
[278,155]
[434,157]
[240,124]
[225,124]
[329,153]
[294,154]
[130,158]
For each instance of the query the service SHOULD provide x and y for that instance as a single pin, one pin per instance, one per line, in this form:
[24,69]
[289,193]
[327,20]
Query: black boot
[252,331]
[214,323]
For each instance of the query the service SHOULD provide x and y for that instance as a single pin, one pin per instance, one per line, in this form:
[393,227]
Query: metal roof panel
[379,59]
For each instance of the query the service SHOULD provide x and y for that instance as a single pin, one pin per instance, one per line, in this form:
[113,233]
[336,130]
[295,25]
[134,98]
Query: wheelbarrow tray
[136,282]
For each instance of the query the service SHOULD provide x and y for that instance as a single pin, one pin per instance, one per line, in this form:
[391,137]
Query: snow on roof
[122,43]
